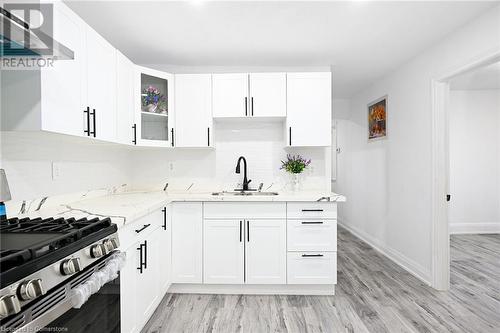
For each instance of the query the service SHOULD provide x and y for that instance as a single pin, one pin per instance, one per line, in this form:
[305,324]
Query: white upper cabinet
[124,99]
[267,95]
[101,86]
[230,95]
[193,110]
[309,110]
[50,99]
[154,104]
[62,86]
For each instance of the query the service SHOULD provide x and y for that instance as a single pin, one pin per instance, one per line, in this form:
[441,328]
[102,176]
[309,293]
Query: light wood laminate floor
[372,295]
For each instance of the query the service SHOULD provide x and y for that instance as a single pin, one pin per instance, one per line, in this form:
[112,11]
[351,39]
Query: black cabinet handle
[146,254]
[164,210]
[144,227]
[312,210]
[134,127]
[93,122]
[248,231]
[87,112]
[172,132]
[252,105]
[240,231]
[140,258]
[290,136]
[246,106]
[208,136]
[312,222]
[311,255]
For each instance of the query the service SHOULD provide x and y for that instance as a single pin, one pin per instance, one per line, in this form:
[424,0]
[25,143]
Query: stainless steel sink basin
[243,193]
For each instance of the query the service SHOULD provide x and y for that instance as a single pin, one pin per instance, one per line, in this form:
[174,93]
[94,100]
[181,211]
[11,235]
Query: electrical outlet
[56,170]
[171,166]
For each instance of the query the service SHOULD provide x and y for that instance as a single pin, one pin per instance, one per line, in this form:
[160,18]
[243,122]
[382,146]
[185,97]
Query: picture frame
[377,119]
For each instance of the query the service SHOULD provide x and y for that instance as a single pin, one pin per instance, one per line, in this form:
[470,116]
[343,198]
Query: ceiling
[363,40]
[484,78]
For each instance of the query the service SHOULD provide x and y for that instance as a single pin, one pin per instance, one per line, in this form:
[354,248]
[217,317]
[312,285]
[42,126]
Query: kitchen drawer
[244,210]
[312,267]
[312,235]
[128,234]
[304,210]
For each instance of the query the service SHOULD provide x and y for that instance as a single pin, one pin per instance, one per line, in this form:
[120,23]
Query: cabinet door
[154,107]
[223,251]
[128,291]
[165,250]
[187,242]
[309,111]
[147,281]
[62,92]
[124,99]
[193,110]
[101,85]
[230,95]
[268,95]
[265,251]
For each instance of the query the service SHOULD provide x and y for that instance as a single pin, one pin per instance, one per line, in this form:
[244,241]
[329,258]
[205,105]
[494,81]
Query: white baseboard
[253,289]
[474,228]
[408,264]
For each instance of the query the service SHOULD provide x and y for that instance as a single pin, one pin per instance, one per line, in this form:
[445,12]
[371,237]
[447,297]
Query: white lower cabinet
[187,240]
[146,275]
[265,258]
[312,267]
[223,251]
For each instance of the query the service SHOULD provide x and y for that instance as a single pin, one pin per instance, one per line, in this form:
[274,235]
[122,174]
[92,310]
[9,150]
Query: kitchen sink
[243,193]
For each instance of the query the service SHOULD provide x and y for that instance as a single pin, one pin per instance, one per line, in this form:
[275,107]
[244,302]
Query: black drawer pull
[144,227]
[312,210]
[141,257]
[87,112]
[311,255]
[164,226]
[318,222]
[134,128]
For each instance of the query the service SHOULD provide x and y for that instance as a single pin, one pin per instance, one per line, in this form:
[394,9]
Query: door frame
[440,166]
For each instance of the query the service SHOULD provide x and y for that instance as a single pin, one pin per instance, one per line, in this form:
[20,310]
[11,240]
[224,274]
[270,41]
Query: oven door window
[101,313]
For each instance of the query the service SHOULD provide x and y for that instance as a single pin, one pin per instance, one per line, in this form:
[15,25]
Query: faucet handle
[260,187]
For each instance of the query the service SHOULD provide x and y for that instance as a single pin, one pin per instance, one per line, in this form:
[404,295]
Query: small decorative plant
[153,100]
[294,164]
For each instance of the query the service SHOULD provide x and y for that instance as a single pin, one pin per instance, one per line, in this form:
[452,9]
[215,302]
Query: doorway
[442,91]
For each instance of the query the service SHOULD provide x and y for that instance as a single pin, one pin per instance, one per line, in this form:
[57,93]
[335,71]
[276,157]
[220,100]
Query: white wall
[262,144]
[474,161]
[27,159]
[388,182]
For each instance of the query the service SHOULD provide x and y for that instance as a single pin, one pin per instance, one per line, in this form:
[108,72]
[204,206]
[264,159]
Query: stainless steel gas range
[61,274]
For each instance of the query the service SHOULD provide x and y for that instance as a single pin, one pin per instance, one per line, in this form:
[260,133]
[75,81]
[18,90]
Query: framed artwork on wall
[377,119]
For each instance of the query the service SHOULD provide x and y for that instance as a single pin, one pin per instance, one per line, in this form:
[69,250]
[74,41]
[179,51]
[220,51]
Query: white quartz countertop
[126,207]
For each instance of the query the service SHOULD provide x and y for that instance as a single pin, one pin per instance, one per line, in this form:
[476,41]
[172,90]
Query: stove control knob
[9,305]
[31,289]
[98,250]
[70,266]
[110,244]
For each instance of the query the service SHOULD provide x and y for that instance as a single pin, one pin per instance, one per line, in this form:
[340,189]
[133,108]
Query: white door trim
[440,168]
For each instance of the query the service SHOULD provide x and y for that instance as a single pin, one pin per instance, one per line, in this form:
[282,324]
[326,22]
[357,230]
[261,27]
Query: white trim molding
[253,289]
[475,228]
[394,255]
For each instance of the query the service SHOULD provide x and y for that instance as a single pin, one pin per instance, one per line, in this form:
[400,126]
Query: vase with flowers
[152,100]
[295,165]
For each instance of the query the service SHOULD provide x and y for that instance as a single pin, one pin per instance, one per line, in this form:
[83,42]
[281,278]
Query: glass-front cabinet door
[154,116]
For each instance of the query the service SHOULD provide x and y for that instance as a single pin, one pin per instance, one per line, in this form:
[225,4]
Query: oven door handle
[81,293]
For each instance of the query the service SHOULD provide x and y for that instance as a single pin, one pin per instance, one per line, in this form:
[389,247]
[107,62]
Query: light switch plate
[56,170]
